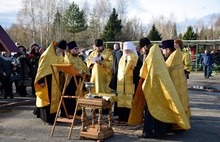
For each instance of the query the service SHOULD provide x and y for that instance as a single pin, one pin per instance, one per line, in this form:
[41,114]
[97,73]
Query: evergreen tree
[154,35]
[94,29]
[211,33]
[174,32]
[112,28]
[218,33]
[74,19]
[202,34]
[180,36]
[190,35]
[57,27]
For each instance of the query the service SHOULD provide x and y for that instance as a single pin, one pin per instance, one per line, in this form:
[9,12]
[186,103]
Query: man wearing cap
[47,100]
[125,84]
[168,48]
[83,52]
[72,58]
[101,69]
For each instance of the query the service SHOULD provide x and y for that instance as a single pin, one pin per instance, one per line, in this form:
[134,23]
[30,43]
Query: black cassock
[44,112]
[154,127]
[70,103]
[113,84]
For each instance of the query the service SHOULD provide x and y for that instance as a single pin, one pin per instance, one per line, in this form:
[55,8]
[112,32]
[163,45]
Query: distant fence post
[197,48]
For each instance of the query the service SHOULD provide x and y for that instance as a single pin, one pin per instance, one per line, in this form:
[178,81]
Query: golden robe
[175,67]
[186,61]
[125,85]
[101,74]
[47,58]
[77,63]
[159,91]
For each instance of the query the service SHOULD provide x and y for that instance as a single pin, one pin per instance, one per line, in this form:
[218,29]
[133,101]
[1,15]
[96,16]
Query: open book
[93,59]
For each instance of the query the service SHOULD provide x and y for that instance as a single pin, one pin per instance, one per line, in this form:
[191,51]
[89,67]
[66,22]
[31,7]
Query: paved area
[17,122]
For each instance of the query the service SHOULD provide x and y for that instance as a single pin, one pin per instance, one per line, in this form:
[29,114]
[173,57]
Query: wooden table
[96,131]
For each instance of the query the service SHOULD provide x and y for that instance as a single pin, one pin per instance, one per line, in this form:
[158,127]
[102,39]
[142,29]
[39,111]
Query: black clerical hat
[144,41]
[71,45]
[168,44]
[98,42]
[62,44]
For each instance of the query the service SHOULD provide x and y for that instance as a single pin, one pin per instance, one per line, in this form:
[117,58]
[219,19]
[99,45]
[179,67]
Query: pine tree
[154,35]
[218,33]
[112,28]
[190,35]
[174,32]
[74,19]
[180,36]
[57,27]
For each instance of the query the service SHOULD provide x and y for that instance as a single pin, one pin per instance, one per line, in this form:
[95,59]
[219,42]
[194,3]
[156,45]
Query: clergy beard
[58,53]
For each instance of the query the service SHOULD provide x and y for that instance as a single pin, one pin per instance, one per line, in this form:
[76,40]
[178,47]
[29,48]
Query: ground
[18,123]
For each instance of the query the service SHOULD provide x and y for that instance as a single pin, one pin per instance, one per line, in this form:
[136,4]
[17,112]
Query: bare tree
[167,27]
[122,10]
[103,11]
[86,9]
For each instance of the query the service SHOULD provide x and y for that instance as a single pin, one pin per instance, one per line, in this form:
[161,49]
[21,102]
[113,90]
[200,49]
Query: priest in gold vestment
[47,100]
[176,69]
[163,106]
[101,69]
[72,57]
[125,85]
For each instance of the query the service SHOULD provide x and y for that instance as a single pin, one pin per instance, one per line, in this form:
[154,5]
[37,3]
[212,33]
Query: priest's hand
[132,67]
[98,62]
[42,85]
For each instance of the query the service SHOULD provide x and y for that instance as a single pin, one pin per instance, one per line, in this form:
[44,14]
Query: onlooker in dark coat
[113,83]
[6,70]
[23,69]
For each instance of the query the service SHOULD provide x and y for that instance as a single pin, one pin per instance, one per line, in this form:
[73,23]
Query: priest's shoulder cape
[76,62]
[47,58]
[159,91]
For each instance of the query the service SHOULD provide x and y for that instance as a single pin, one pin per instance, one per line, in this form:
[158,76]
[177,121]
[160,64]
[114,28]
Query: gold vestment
[125,85]
[47,58]
[159,91]
[101,74]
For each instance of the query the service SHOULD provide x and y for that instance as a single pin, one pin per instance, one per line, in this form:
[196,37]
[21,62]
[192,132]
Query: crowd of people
[147,83]
[18,69]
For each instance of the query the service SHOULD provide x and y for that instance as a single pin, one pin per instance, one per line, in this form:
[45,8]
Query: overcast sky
[143,9]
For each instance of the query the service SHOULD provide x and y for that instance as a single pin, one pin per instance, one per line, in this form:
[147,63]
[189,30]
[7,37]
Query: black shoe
[5,97]
[12,97]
